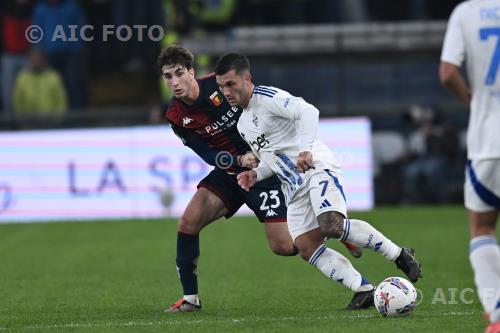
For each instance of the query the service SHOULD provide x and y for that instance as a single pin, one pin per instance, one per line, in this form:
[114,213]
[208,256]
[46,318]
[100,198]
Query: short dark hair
[232,61]
[175,55]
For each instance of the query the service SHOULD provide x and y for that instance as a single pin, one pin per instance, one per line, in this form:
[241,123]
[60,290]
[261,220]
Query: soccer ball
[395,297]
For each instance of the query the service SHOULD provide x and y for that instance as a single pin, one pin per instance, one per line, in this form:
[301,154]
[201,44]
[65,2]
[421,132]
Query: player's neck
[245,103]
[193,94]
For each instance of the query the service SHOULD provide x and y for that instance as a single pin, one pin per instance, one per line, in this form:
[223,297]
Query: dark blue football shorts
[265,198]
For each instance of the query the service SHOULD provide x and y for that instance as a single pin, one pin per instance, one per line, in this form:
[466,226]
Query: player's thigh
[266,200]
[279,238]
[482,195]
[326,193]
[204,208]
[300,217]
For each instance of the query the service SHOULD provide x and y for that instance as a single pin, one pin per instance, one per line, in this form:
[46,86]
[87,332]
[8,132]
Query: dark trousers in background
[72,67]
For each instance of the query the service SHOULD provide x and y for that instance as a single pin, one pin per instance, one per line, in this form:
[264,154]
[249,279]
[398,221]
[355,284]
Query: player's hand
[247,179]
[305,161]
[249,160]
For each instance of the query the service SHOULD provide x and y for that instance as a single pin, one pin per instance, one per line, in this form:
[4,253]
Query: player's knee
[286,249]
[188,225]
[331,224]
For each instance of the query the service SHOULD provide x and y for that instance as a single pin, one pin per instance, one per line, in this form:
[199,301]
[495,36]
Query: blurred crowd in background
[58,83]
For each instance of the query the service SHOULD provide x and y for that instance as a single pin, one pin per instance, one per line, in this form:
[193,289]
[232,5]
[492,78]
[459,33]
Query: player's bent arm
[309,122]
[452,79]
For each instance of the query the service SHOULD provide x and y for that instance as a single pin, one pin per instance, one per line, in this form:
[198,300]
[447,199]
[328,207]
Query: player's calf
[279,239]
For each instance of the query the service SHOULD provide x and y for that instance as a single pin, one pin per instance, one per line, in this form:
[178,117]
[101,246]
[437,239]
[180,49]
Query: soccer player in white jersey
[281,129]
[473,37]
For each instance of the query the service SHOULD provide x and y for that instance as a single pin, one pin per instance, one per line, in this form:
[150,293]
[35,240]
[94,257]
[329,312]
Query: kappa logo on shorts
[270,213]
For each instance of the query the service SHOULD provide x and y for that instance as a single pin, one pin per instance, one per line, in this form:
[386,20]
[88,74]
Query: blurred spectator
[433,152]
[39,95]
[137,54]
[64,53]
[15,21]
[217,14]
[99,13]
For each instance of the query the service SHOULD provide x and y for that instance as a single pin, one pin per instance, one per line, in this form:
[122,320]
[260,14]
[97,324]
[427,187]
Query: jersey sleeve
[263,171]
[454,45]
[201,148]
[304,114]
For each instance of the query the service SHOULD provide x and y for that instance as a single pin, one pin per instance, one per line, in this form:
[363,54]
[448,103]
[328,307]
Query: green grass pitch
[119,276]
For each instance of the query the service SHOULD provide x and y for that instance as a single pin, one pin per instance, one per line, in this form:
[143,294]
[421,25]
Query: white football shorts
[321,192]
[482,185]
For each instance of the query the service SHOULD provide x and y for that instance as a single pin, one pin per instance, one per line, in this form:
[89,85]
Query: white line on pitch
[218,320]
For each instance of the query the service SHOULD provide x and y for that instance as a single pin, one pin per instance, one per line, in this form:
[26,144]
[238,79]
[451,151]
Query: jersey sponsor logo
[286,102]
[216,98]
[260,142]
[186,121]
[270,213]
[226,121]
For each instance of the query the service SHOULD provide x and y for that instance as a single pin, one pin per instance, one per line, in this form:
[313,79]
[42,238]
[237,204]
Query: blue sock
[188,251]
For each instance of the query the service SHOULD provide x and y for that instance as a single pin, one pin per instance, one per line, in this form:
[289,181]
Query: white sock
[362,234]
[484,255]
[338,268]
[193,299]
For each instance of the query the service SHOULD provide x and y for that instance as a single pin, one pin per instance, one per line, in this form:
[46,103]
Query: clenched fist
[247,179]
[305,161]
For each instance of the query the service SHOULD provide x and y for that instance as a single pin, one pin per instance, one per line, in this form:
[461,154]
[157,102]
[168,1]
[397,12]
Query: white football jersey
[278,126]
[473,36]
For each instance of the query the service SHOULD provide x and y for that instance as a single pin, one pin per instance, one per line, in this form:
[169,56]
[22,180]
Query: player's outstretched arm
[247,179]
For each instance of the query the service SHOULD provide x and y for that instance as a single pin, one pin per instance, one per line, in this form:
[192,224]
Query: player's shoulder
[270,92]
[463,8]
[207,82]
[175,112]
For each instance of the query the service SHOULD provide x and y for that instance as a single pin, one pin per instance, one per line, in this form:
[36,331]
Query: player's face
[237,88]
[178,79]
